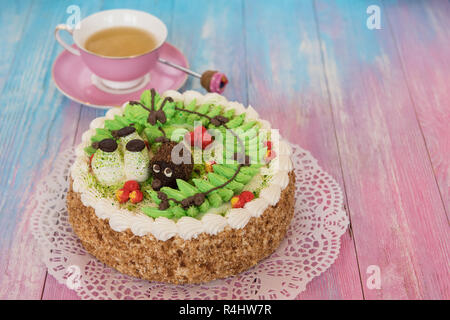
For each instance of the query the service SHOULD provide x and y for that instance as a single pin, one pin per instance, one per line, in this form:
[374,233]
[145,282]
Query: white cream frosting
[238,218]
[175,95]
[164,229]
[192,95]
[238,107]
[214,223]
[271,194]
[97,123]
[281,178]
[256,207]
[189,227]
[141,225]
[251,113]
[112,113]
[186,227]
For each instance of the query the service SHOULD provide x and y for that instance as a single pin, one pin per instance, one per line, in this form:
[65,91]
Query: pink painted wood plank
[398,218]
[287,86]
[425,54]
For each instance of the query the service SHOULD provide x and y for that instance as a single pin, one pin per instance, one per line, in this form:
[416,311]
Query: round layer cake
[181,188]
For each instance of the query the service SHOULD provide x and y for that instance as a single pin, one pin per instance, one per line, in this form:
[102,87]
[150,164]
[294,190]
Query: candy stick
[212,81]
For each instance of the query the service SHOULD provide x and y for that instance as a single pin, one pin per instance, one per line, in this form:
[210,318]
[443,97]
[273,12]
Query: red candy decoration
[199,137]
[131,185]
[136,196]
[247,196]
[237,202]
[130,191]
[122,195]
[240,200]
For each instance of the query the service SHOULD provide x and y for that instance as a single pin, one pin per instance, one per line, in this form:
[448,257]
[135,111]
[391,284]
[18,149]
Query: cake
[181,188]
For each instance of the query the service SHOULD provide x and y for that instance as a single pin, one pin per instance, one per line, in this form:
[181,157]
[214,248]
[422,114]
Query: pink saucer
[74,79]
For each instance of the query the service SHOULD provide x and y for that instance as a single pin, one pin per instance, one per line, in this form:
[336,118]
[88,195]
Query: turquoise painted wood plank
[398,218]
[287,86]
[36,123]
[13,16]
[210,34]
[426,71]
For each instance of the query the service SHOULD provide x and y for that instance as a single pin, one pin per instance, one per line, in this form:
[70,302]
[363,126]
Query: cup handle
[69,48]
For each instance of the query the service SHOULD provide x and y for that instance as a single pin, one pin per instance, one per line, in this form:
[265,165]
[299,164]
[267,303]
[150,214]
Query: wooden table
[373,106]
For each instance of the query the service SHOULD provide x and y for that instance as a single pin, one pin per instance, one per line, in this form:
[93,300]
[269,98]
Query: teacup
[117,73]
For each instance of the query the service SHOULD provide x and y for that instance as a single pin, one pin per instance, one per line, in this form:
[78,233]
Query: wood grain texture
[371,106]
[424,56]
[287,86]
[46,123]
[398,219]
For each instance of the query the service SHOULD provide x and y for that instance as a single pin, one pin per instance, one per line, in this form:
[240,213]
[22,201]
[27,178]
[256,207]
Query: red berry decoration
[240,200]
[247,196]
[131,185]
[199,137]
[237,202]
[122,195]
[136,196]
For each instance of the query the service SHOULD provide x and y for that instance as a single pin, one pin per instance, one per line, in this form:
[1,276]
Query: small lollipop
[212,81]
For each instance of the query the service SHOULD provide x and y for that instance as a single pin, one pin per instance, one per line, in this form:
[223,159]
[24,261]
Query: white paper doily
[311,245]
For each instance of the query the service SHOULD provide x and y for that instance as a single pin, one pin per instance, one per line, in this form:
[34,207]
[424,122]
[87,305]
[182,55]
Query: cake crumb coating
[178,261]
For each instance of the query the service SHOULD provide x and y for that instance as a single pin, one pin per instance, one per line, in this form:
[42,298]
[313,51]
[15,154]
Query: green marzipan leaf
[155,213]
[249,171]
[233,166]
[229,113]
[89,150]
[225,193]
[154,196]
[192,211]
[136,114]
[204,207]
[169,110]
[214,199]
[203,109]
[146,98]
[177,211]
[185,188]
[191,106]
[248,135]
[218,180]
[236,122]
[180,132]
[113,125]
[223,171]
[122,120]
[173,193]
[248,125]
[152,133]
[101,134]
[215,111]
[203,185]
[243,178]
